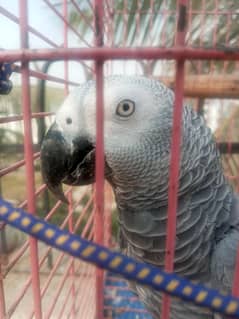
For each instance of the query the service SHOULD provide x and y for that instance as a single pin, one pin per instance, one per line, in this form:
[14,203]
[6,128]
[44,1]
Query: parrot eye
[68,120]
[125,108]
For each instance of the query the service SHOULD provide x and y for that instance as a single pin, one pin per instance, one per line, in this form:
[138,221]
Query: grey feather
[205,245]
[137,153]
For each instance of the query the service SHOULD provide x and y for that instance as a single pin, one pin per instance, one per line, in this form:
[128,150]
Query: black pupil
[126,107]
[68,120]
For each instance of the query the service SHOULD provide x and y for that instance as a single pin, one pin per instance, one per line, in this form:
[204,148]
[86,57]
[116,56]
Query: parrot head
[137,118]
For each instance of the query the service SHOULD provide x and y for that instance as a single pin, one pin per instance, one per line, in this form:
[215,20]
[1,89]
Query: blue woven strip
[118,263]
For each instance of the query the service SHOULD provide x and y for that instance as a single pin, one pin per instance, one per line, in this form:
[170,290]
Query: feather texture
[137,155]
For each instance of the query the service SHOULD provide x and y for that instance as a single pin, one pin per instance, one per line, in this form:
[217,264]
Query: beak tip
[63,198]
[57,191]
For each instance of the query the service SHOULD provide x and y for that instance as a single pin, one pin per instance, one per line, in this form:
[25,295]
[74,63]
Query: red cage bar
[175,153]
[108,53]
[79,290]
[28,151]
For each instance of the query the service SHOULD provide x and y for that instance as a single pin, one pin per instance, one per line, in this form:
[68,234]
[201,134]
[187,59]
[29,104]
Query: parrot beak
[61,162]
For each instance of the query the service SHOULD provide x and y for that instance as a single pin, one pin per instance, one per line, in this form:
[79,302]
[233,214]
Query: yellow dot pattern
[37,227]
[88,251]
[172,285]
[49,233]
[158,279]
[146,274]
[116,262]
[75,245]
[187,290]
[103,255]
[62,239]
[14,215]
[232,306]
[143,273]
[130,267]
[26,221]
[3,210]
[201,296]
[217,302]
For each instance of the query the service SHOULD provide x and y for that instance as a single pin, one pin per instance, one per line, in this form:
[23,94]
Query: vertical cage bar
[70,207]
[28,153]
[99,196]
[175,153]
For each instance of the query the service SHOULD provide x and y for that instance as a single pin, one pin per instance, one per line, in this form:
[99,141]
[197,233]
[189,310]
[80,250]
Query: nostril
[68,120]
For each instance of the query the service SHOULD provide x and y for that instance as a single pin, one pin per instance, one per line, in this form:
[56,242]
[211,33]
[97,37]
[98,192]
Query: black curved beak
[61,162]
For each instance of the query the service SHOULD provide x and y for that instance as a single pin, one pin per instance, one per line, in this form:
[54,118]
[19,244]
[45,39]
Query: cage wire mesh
[63,43]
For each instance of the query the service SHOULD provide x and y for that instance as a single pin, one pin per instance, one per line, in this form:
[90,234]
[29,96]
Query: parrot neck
[204,201]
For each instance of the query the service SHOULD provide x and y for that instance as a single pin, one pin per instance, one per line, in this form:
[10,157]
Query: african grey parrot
[138,124]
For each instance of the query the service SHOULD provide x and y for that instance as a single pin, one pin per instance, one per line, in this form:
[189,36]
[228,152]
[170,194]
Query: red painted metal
[28,149]
[63,307]
[19,297]
[15,118]
[48,77]
[173,181]
[70,206]
[175,153]
[107,53]
[99,171]
[69,300]
[99,196]
[15,19]
[82,15]
[66,22]
[16,165]
[58,291]
[16,258]
[44,76]
[71,274]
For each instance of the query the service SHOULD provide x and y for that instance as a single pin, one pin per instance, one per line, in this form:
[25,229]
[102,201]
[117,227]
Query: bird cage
[48,47]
